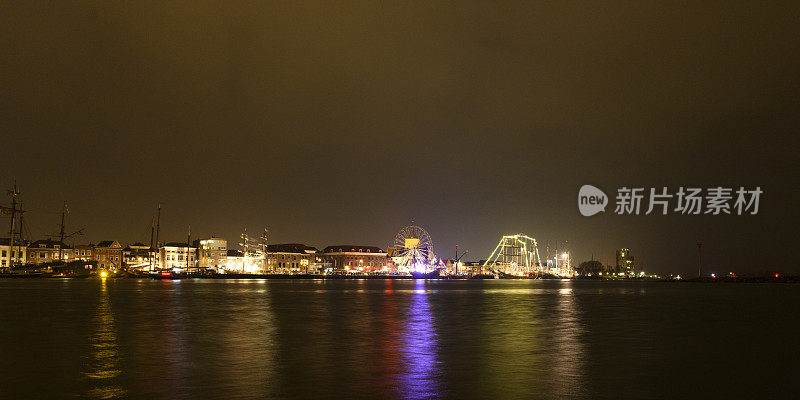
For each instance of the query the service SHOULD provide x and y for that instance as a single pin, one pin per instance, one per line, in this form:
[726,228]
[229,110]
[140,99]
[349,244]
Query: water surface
[392,339]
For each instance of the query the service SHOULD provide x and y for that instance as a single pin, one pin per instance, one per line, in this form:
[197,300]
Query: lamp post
[699,261]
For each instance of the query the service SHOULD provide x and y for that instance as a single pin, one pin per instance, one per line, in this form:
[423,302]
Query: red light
[776,275]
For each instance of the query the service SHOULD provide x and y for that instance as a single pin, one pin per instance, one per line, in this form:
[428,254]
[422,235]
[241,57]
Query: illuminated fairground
[514,256]
[413,253]
[518,255]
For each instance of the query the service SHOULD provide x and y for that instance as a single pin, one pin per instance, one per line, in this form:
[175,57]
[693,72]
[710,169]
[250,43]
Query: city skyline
[341,124]
[554,248]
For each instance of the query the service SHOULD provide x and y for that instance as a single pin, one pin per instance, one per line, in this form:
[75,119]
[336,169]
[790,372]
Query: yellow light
[103,274]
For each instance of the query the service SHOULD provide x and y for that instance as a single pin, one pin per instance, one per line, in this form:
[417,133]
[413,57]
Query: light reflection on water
[569,351]
[103,363]
[171,339]
[513,332]
[388,339]
[246,343]
[391,362]
[420,375]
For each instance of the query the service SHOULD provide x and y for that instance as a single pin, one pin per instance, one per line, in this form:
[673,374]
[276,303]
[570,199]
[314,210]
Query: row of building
[105,253]
[202,254]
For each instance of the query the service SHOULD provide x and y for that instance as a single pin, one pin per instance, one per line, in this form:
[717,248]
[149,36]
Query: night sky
[339,123]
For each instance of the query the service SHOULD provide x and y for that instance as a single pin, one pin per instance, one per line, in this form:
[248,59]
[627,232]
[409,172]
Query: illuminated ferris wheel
[413,249]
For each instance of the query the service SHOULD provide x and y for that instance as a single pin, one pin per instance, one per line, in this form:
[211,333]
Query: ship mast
[151,251]
[244,245]
[61,232]
[264,249]
[14,192]
[158,230]
[188,239]
[21,224]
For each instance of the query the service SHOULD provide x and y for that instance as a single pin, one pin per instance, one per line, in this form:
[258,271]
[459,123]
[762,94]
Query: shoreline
[781,279]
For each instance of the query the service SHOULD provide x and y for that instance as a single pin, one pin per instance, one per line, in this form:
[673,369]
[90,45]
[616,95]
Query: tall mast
[264,249]
[13,192]
[21,223]
[188,239]
[557,269]
[158,228]
[61,232]
[548,257]
[244,249]
[152,232]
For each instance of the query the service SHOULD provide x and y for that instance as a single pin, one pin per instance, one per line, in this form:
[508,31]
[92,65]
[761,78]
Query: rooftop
[348,248]
[176,244]
[48,244]
[291,248]
[4,242]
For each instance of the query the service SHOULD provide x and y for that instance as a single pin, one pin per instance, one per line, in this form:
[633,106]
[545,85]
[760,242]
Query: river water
[393,339]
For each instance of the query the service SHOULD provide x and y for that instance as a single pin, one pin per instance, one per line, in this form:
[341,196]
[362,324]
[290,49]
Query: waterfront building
[212,253]
[137,255]
[82,252]
[470,267]
[624,262]
[462,267]
[16,254]
[47,250]
[290,258]
[108,254]
[174,256]
[354,258]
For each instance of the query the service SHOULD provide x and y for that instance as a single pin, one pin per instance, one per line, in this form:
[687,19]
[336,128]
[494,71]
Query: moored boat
[168,275]
[426,275]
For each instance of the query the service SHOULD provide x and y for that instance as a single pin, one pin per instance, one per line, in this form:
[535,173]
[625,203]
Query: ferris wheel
[413,249]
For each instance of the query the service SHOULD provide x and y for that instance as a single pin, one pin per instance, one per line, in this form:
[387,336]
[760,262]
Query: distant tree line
[590,268]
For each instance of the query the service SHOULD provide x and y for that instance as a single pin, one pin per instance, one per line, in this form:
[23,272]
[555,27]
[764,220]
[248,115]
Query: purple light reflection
[420,267]
[420,376]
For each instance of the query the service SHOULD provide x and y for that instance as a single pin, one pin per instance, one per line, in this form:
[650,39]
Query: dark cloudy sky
[339,122]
